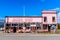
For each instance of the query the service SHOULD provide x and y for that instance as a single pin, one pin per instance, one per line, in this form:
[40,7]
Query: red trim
[47,13]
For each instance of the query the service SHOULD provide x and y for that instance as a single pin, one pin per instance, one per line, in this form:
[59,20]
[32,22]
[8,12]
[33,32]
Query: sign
[28,20]
[33,25]
[17,20]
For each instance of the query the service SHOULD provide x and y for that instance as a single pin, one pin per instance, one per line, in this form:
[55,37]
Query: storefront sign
[28,20]
[17,20]
[33,25]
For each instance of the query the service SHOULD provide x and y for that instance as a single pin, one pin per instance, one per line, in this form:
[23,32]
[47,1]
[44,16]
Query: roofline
[55,12]
[24,16]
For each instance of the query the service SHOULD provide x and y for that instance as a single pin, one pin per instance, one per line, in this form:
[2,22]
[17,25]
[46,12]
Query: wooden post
[41,26]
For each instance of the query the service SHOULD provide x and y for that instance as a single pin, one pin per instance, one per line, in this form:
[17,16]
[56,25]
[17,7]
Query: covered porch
[22,27]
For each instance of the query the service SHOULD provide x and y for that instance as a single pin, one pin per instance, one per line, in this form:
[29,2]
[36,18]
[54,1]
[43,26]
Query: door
[49,28]
[33,29]
[14,29]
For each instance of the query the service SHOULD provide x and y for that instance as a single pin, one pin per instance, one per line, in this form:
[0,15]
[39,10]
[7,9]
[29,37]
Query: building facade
[31,23]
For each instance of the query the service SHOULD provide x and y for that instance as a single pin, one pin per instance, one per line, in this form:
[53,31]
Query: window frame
[45,19]
[53,19]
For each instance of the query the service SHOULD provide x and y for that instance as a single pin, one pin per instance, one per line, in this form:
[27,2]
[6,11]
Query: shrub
[58,26]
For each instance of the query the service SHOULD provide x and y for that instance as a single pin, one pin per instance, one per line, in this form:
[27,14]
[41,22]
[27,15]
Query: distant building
[32,23]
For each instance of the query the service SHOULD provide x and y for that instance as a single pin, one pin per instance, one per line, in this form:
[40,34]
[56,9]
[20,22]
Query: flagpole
[24,18]
[23,10]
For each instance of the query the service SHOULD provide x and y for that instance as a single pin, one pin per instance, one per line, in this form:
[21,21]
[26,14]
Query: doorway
[49,28]
[14,29]
[33,29]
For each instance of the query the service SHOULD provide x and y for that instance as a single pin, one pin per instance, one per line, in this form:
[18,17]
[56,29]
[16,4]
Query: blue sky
[32,7]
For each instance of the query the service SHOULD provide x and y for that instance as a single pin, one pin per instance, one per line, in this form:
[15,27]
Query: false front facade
[31,23]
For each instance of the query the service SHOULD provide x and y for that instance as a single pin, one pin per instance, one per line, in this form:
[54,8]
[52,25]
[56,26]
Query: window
[27,26]
[14,24]
[38,25]
[45,19]
[8,25]
[21,26]
[44,26]
[32,23]
[53,19]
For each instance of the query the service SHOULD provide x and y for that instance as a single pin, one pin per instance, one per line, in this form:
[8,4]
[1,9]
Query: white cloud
[57,9]
[58,13]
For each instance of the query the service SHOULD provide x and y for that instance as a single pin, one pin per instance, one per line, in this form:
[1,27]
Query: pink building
[31,23]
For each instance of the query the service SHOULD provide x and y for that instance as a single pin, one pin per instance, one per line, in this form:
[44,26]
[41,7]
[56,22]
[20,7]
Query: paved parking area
[28,36]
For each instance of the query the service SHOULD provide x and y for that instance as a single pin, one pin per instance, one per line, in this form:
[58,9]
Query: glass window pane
[53,19]
[21,25]
[8,25]
[14,24]
[32,23]
[45,19]
[28,25]
[38,24]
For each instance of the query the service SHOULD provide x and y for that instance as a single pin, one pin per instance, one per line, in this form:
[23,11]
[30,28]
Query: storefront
[23,23]
[31,23]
